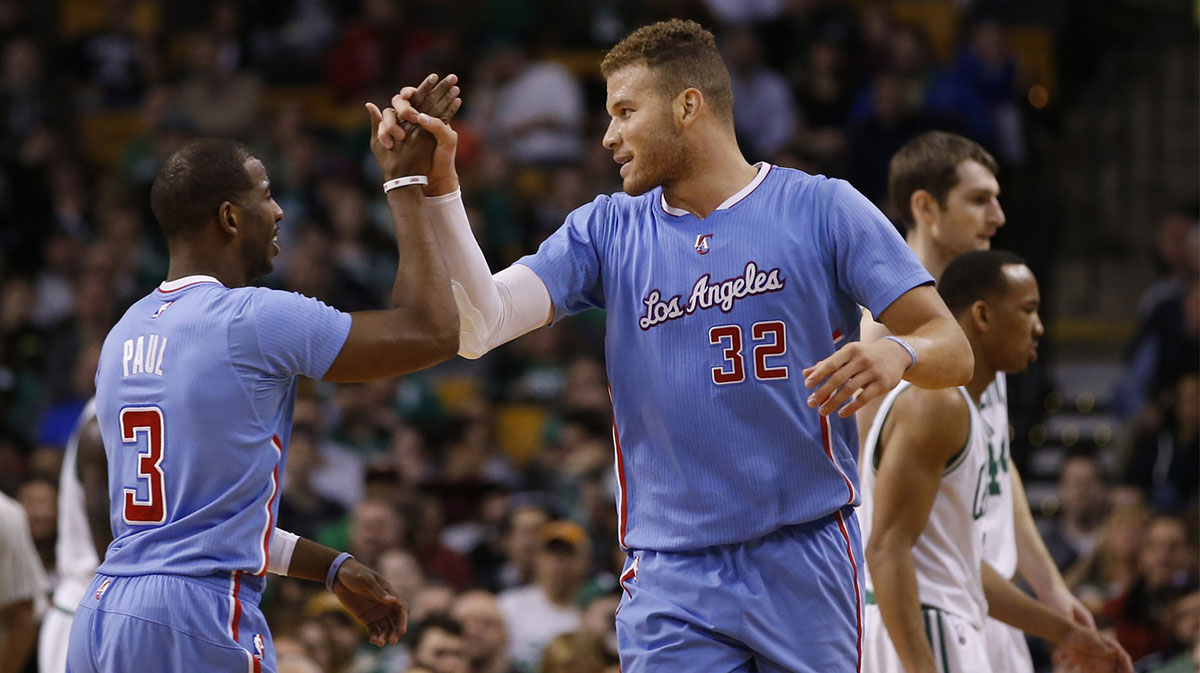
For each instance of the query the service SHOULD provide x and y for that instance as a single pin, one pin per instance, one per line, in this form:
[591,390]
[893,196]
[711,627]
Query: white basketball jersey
[948,554]
[75,551]
[999,531]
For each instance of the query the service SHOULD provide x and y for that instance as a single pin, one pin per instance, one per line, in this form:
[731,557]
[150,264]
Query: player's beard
[257,258]
[661,162]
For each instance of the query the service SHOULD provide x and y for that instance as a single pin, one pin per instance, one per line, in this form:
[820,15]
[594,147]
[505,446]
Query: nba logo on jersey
[702,243]
[161,309]
[102,589]
[259,645]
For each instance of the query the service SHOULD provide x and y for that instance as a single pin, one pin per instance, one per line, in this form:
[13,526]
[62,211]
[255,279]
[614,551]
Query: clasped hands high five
[413,136]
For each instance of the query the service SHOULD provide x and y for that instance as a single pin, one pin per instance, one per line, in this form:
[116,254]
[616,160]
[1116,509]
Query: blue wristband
[911,353]
[334,567]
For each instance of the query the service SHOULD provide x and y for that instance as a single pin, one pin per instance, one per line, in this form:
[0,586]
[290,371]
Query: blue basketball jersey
[710,323]
[195,392]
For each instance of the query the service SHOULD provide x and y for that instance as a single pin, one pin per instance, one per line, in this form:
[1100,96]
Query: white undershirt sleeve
[283,545]
[492,309]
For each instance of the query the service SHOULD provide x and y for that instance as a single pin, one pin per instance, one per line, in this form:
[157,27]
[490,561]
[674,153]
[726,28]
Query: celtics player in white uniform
[944,189]
[926,474]
[83,533]
[934,520]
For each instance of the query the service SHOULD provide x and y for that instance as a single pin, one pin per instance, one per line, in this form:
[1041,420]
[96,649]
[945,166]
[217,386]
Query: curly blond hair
[683,54]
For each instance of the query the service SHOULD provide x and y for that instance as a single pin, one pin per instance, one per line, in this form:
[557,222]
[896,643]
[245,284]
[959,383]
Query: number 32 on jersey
[768,339]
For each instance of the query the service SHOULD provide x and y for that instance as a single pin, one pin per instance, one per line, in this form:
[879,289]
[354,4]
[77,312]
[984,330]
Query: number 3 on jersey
[146,421]
[770,337]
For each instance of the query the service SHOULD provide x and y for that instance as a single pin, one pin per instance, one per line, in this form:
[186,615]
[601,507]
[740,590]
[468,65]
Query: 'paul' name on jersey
[705,295]
[143,355]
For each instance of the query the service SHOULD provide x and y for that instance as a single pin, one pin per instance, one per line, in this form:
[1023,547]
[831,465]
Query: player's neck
[928,252]
[982,378]
[716,175]
[188,262]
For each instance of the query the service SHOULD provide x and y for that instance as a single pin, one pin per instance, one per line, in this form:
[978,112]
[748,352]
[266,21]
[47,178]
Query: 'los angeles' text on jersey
[706,294]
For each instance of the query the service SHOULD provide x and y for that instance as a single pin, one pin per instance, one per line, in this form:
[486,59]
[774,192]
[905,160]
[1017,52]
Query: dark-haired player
[945,189]
[925,468]
[194,398]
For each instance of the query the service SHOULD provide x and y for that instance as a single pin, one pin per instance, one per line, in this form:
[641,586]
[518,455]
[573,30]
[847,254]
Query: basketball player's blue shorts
[170,623]
[787,602]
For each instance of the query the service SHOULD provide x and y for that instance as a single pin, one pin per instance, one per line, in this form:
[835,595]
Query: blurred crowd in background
[484,490]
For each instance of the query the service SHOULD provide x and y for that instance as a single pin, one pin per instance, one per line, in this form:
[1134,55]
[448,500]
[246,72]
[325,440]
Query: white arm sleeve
[492,309]
[283,544]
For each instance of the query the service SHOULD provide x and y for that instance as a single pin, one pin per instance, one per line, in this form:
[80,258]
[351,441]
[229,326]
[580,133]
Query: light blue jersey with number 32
[710,323]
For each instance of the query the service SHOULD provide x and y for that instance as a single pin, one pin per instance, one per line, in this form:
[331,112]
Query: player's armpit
[914,456]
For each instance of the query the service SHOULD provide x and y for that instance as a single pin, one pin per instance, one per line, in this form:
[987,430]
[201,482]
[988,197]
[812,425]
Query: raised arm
[909,476]
[493,309]
[421,327]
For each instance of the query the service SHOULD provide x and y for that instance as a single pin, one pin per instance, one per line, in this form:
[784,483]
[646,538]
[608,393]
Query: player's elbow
[883,548]
[962,360]
[445,342]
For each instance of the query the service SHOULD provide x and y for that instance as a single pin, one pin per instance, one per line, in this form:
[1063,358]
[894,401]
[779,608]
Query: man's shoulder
[11,514]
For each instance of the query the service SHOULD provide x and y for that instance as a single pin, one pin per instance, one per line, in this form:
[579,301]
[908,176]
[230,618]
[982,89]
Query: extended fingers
[422,91]
[437,128]
[388,130]
[376,117]
[865,394]
[441,98]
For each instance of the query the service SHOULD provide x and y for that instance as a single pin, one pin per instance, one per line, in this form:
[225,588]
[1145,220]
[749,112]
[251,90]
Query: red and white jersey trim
[235,605]
[763,169]
[857,589]
[269,524]
[186,281]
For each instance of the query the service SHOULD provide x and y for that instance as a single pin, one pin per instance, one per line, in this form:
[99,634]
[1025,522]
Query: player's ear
[923,206]
[228,216]
[980,316]
[688,106]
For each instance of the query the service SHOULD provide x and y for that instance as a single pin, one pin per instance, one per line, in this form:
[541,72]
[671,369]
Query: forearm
[19,631]
[493,309]
[464,259]
[899,601]
[944,357]
[1012,606]
[422,284]
[311,561]
[1034,562]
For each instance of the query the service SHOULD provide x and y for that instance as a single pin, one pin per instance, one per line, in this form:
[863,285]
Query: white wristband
[912,354]
[404,182]
[283,544]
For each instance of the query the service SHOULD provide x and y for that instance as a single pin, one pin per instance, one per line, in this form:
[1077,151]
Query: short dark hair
[194,182]
[973,276]
[435,622]
[930,162]
[683,54]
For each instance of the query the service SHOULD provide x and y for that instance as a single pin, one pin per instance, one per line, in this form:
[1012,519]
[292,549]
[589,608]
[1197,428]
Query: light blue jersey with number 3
[710,323]
[194,397]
